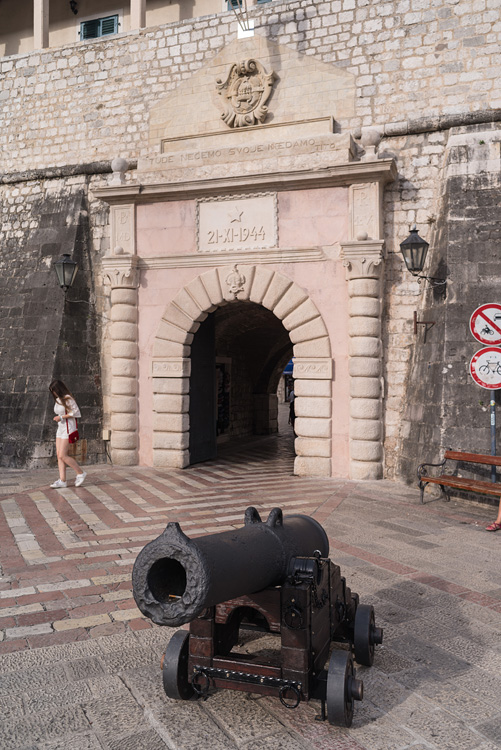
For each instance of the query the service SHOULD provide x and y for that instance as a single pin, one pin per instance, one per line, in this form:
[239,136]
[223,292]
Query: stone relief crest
[245,92]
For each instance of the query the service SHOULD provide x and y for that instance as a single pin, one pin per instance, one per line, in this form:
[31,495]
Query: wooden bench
[460,483]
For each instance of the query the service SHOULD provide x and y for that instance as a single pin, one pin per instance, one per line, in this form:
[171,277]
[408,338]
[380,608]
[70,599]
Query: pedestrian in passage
[292,412]
[66,411]
[496,525]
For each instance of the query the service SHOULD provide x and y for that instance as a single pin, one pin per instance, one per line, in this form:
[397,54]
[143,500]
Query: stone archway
[312,361]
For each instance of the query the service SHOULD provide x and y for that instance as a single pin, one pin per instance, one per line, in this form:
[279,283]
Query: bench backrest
[473,458]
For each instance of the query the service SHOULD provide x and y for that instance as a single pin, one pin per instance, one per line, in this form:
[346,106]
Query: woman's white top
[73,411]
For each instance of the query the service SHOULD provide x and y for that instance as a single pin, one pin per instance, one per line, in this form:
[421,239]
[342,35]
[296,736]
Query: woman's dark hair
[60,392]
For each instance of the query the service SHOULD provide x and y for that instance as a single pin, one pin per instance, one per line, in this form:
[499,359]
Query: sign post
[493,435]
[485,369]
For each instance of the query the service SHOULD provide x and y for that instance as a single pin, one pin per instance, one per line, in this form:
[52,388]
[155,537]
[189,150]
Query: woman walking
[67,411]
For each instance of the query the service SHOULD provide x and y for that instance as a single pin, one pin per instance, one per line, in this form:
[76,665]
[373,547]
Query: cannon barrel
[175,578]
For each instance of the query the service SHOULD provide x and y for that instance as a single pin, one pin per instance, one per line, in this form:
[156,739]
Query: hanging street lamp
[66,270]
[414,250]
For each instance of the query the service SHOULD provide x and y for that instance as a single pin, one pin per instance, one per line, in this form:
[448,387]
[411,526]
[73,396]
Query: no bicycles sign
[485,323]
[485,367]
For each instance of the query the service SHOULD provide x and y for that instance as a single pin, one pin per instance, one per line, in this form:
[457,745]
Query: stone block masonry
[404,61]
[44,335]
[450,408]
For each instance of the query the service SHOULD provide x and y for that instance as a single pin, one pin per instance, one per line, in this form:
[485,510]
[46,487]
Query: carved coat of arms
[245,92]
[235,281]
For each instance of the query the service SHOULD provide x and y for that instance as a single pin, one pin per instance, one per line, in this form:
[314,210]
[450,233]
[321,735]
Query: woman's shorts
[62,432]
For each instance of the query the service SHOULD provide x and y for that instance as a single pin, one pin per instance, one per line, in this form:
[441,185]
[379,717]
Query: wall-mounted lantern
[66,270]
[414,250]
[74,6]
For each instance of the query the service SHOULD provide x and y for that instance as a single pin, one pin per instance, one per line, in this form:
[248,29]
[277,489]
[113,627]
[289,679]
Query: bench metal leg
[421,487]
[446,493]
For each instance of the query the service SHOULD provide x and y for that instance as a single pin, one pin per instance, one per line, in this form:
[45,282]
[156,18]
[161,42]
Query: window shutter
[233,4]
[109,25]
[98,27]
[89,29]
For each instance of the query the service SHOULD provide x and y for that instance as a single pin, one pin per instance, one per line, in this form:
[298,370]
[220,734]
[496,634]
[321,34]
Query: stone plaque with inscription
[237,223]
[174,367]
[364,209]
[123,228]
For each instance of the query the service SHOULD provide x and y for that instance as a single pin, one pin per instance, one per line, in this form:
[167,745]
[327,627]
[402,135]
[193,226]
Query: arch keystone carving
[235,282]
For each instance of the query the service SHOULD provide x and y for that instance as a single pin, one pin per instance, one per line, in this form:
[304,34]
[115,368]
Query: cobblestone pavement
[79,665]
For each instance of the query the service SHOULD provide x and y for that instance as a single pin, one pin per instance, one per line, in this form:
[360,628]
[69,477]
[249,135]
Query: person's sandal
[493,526]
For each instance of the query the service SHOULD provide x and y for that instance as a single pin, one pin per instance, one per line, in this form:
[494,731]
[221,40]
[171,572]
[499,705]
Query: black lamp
[414,250]
[74,6]
[66,270]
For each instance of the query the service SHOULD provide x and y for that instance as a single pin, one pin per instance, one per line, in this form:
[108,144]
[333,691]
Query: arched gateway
[280,218]
[339,401]
[311,350]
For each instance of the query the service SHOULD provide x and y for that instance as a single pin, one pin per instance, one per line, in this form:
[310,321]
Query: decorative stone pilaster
[121,273]
[363,260]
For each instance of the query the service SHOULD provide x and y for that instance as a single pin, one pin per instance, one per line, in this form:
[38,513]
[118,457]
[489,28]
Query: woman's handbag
[72,436]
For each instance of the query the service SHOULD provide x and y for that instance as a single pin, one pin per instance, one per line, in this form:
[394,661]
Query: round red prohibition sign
[485,367]
[485,323]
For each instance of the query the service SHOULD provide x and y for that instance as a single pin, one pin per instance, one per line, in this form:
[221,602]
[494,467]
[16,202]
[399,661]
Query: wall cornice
[379,170]
[269,255]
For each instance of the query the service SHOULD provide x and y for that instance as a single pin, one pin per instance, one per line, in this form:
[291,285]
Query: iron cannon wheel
[363,637]
[175,667]
[342,689]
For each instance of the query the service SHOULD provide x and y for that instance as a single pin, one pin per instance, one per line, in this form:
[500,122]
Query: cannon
[273,576]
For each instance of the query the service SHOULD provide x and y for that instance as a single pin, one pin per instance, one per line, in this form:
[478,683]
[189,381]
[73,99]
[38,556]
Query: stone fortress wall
[408,61]
[425,74]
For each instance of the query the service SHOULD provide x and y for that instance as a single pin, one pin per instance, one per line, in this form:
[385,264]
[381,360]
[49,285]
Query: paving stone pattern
[79,665]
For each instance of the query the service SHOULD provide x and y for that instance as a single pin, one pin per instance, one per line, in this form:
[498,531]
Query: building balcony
[26,27]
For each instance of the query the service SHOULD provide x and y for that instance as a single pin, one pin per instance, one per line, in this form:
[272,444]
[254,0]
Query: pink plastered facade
[306,219]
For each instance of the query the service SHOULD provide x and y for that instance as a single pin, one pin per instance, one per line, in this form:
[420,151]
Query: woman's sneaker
[59,484]
[80,479]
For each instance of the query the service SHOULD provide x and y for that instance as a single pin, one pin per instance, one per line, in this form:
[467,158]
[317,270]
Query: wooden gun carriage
[273,576]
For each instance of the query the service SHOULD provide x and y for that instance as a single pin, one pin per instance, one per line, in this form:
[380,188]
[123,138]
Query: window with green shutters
[230,4]
[98,27]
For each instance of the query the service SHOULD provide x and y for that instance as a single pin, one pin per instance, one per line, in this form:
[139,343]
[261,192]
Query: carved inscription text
[237,223]
[175,367]
[122,228]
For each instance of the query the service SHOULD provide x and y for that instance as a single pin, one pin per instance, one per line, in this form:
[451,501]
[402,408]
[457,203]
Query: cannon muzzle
[175,578]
